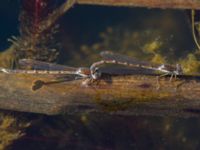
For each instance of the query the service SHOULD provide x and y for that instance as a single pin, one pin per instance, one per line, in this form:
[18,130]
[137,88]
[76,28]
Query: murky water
[84,32]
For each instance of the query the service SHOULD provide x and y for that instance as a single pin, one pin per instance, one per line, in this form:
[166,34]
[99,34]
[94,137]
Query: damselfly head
[96,74]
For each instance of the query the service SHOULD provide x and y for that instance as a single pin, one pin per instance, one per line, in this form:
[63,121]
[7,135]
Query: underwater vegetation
[36,40]
[11,129]
[37,32]
[160,38]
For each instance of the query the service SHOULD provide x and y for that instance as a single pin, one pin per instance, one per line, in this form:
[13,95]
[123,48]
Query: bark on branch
[123,95]
[177,4]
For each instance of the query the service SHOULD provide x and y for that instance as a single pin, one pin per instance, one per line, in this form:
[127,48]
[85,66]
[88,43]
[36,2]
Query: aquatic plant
[195,25]
[37,31]
[10,129]
[37,41]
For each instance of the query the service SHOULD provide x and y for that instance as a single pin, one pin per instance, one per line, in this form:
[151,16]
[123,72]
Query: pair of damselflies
[92,73]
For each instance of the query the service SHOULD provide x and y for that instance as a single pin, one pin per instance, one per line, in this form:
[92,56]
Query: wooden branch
[177,4]
[57,13]
[123,95]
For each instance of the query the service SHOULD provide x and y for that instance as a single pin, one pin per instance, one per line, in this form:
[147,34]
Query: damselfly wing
[41,65]
[125,60]
[51,68]
[133,62]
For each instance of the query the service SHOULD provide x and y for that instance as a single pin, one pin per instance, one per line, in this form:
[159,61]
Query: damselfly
[91,74]
[39,67]
[114,58]
[62,73]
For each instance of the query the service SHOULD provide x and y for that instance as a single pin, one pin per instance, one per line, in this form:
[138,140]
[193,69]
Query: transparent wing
[108,55]
[40,65]
[117,70]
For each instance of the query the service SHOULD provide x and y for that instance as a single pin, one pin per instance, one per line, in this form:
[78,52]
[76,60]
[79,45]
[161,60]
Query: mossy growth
[10,129]
[191,64]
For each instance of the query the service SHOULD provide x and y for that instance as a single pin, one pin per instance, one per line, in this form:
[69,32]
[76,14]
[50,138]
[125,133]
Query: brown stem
[52,18]
[123,95]
[177,4]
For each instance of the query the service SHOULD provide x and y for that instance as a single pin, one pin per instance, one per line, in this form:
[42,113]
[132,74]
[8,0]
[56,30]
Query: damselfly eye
[96,74]
[96,69]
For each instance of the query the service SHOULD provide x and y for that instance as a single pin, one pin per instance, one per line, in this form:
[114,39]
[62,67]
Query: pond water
[151,34]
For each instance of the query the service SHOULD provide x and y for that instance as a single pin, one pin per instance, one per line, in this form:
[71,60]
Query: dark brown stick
[123,95]
[177,4]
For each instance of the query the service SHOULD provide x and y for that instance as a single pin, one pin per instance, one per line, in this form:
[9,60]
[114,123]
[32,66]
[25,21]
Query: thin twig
[193,29]
[51,19]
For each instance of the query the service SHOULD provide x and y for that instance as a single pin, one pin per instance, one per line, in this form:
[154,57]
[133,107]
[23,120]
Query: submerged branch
[52,18]
[122,95]
[177,4]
